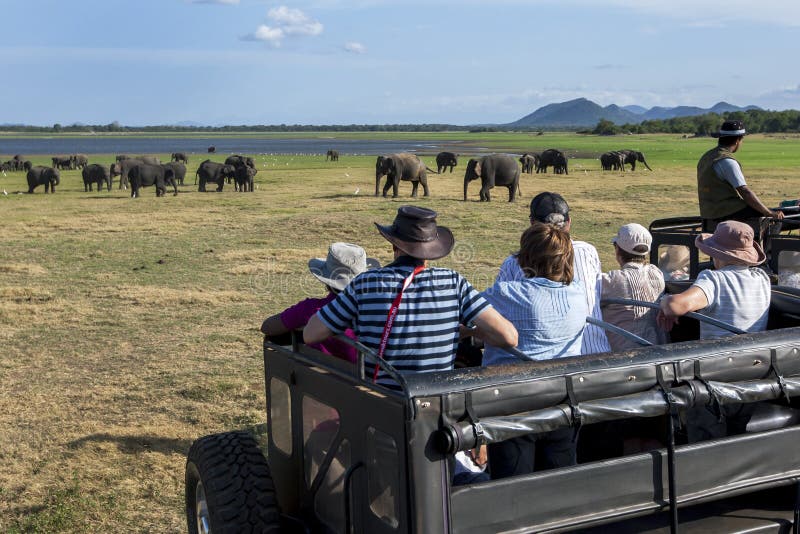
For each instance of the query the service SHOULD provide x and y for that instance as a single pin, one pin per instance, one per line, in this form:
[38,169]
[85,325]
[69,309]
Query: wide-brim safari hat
[415,232]
[732,240]
[345,261]
[732,129]
[674,257]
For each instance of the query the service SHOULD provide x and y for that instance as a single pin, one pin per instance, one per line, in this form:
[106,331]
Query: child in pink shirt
[344,262]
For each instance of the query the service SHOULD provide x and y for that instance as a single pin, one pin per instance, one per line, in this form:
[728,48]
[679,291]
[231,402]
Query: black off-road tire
[232,473]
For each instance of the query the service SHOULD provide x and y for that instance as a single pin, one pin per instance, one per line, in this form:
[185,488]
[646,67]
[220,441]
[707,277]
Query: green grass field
[130,327]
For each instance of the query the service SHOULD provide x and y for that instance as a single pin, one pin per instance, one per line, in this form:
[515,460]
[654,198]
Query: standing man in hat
[721,188]
[407,312]
[551,208]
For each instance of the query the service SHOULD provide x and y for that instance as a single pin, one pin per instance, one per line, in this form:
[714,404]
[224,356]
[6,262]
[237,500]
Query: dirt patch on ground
[22,268]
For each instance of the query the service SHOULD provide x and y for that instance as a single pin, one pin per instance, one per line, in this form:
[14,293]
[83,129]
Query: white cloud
[355,48]
[294,21]
[285,21]
[274,36]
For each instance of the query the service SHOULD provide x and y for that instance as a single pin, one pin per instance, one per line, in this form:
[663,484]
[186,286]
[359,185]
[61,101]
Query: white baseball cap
[634,239]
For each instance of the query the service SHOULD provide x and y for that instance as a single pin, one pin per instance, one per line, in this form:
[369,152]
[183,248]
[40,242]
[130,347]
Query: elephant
[121,157]
[612,161]
[150,160]
[494,169]
[79,161]
[15,164]
[49,177]
[5,167]
[179,156]
[212,149]
[237,160]
[62,162]
[122,169]
[98,174]
[632,156]
[243,177]
[27,165]
[529,162]
[444,160]
[178,169]
[402,166]
[332,154]
[145,174]
[210,171]
[554,158]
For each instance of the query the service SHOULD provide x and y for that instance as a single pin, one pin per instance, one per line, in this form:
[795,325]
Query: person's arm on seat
[754,202]
[316,331]
[273,326]
[495,329]
[674,306]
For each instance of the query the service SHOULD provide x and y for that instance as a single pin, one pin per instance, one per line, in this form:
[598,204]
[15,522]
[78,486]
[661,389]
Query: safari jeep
[346,455]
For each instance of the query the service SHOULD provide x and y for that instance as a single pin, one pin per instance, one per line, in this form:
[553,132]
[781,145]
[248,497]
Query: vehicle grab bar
[692,315]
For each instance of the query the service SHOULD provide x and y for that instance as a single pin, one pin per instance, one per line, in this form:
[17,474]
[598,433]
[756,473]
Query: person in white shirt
[735,291]
[551,208]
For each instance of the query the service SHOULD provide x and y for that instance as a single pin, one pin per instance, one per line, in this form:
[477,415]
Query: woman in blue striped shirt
[548,308]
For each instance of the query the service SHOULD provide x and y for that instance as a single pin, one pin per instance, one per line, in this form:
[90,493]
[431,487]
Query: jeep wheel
[228,487]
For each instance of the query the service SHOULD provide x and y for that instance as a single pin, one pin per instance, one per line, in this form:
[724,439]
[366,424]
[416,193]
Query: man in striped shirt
[434,302]
[551,208]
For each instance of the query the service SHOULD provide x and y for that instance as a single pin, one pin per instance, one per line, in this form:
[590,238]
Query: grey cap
[345,261]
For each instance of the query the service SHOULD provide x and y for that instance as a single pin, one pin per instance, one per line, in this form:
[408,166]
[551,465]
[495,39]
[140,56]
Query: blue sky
[398,61]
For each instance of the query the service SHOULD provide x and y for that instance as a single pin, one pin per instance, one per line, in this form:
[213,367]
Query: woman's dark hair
[546,252]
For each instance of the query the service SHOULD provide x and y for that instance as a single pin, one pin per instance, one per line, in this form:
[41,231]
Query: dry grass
[128,328]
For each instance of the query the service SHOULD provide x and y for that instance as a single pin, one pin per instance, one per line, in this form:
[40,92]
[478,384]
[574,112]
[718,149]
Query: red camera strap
[387,328]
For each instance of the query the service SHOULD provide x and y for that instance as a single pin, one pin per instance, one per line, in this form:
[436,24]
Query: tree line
[115,127]
[755,120]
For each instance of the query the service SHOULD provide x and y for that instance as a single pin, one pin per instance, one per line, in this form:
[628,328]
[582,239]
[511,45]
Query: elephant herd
[139,171]
[71,162]
[617,159]
[142,171]
[492,170]
[539,162]
[17,163]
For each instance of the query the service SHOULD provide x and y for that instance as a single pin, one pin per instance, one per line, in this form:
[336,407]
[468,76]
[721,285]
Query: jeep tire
[229,488]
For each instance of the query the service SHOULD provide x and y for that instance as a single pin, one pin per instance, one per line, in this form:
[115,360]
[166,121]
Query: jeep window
[382,476]
[280,415]
[789,268]
[673,260]
[329,502]
[320,426]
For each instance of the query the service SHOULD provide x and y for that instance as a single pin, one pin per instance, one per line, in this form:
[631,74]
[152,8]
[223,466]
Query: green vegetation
[755,120]
[130,327]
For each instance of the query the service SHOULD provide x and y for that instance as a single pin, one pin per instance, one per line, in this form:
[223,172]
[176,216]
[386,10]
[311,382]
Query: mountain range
[583,113]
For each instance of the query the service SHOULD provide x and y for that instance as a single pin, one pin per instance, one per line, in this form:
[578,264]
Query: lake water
[199,145]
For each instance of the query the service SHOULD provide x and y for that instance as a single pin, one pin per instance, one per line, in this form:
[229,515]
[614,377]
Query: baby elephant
[243,178]
[46,176]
